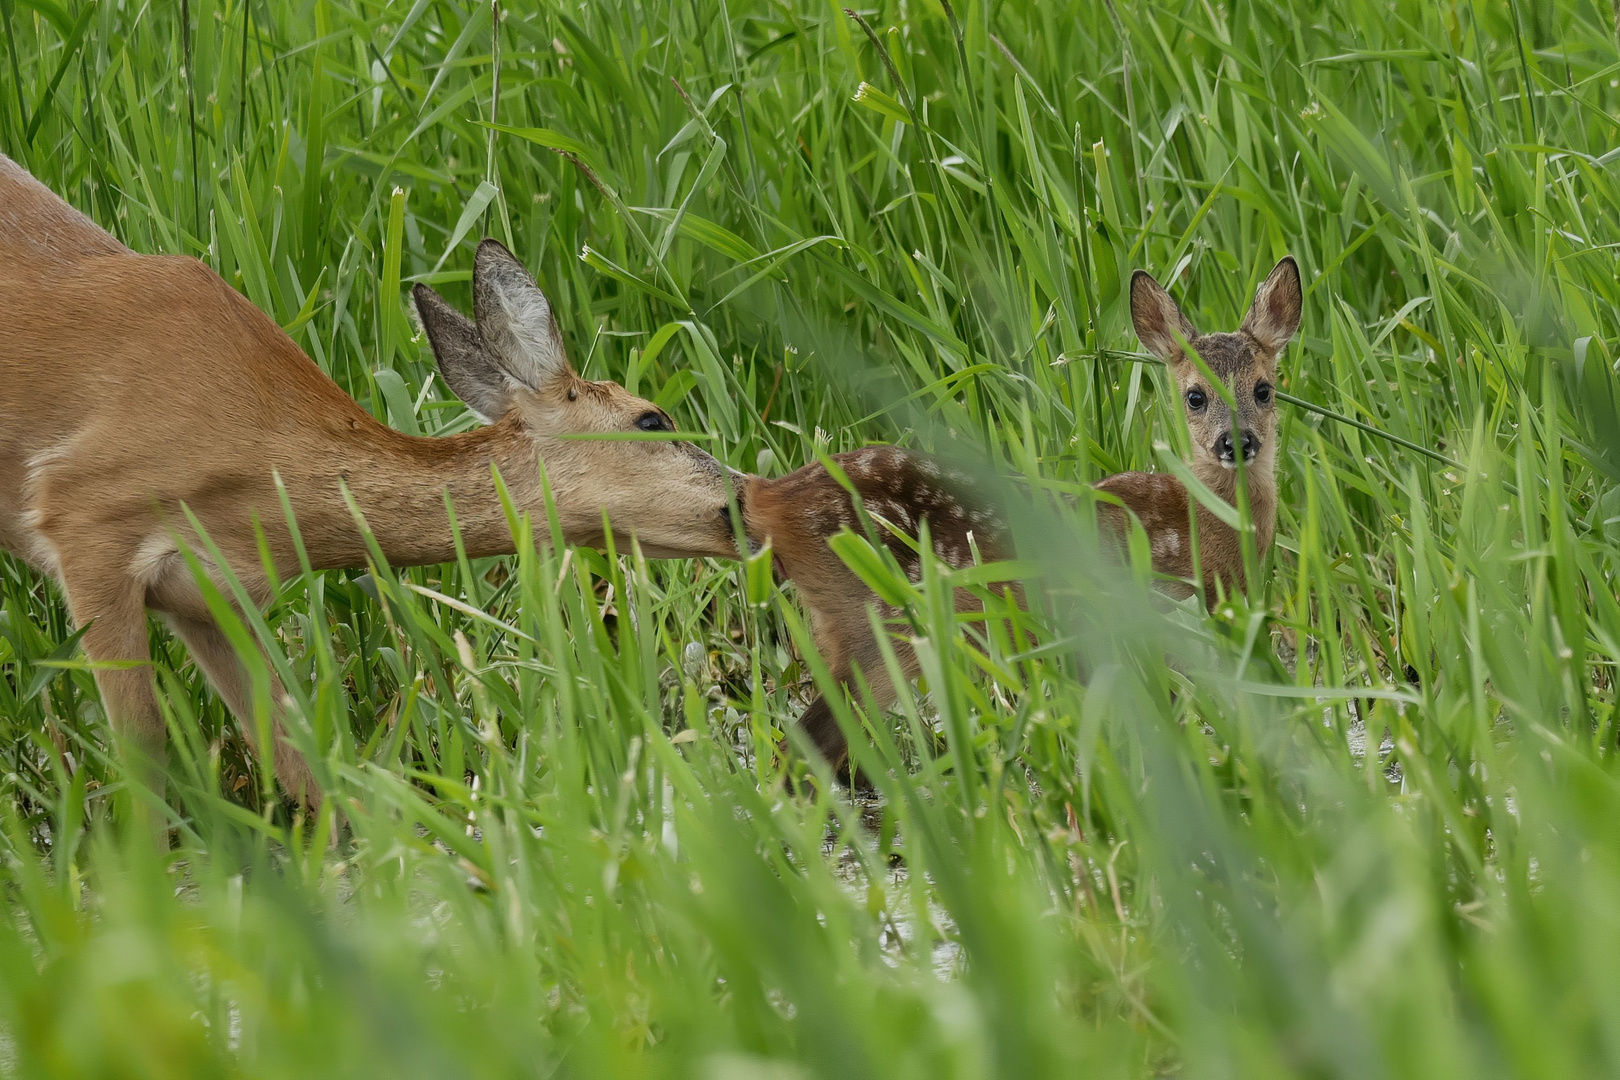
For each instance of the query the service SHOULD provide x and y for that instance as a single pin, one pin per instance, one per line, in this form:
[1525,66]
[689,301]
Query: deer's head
[508,364]
[1245,362]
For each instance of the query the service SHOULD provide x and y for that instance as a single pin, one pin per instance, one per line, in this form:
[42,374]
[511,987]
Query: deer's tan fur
[797,513]
[132,386]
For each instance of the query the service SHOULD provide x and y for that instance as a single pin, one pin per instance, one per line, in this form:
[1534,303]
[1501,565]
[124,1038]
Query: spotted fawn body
[799,512]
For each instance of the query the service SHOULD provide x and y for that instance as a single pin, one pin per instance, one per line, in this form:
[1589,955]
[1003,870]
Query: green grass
[567,849]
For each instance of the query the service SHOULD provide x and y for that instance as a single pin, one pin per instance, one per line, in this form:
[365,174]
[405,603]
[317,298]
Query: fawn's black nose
[1225,452]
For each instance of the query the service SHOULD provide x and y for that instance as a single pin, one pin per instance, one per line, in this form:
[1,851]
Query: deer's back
[157,347]
[37,228]
[128,380]
[160,343]
[800,511]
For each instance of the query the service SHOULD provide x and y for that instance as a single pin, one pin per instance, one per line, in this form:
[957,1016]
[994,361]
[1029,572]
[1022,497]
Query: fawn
[135,388]
[798,512]
[1246,363]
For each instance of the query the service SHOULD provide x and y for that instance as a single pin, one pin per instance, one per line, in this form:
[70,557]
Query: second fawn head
[509,365]
[1245,362]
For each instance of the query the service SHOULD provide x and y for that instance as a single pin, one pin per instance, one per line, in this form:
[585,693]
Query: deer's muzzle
[1227,453]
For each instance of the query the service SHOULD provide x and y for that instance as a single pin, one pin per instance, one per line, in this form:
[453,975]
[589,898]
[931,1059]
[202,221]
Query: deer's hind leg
[848,645]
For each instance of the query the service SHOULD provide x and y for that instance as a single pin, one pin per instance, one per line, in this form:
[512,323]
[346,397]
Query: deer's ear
[1274,316]
[515,319]
[1157,318]
[468,369]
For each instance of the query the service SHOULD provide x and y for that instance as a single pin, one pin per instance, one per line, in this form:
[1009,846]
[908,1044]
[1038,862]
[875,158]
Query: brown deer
[797,513]
[1246,364]
[134,388]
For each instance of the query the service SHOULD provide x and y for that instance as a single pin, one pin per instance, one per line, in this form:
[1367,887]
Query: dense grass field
[1362,822]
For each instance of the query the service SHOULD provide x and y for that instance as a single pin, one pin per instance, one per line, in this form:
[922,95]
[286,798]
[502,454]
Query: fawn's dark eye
[1262,393]
[1196,400]
[653,421]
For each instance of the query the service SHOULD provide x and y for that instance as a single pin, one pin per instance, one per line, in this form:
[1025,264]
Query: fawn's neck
[1261,481]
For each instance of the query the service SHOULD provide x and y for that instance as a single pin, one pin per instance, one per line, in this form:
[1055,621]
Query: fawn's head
[1246,362]
[508,364]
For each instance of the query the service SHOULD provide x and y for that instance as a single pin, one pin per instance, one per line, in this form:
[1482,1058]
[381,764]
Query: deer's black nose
[1225,451]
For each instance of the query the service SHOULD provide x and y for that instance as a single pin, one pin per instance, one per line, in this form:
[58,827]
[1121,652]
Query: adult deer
[798,512]
[134,388]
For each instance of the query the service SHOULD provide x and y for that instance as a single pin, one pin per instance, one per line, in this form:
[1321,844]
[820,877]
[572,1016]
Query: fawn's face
[1221,434]
[1244,362]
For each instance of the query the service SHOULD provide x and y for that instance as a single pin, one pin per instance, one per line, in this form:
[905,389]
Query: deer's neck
[399,483]
[1261,480]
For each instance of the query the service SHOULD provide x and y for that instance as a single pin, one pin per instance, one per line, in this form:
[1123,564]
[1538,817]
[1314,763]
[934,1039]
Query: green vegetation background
[1367,823]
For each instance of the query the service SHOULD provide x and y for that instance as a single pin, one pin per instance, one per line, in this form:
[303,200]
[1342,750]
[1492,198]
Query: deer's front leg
[112,606]
[174,592]
[213,652]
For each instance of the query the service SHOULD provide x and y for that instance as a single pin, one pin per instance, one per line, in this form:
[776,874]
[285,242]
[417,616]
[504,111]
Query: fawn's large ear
[468,369]
[1157,318]
[515,319]
[1274,316]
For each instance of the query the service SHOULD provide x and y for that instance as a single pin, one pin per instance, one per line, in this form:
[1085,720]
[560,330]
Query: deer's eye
[653,421]
[1196,400]
[1262,393]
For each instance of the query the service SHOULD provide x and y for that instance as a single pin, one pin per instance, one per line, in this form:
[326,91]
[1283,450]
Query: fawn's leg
[213,652]
[834,635]
[820,723]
